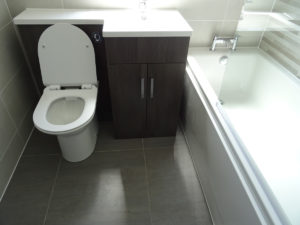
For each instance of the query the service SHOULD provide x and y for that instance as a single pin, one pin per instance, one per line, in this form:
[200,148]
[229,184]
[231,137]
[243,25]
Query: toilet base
[80,145]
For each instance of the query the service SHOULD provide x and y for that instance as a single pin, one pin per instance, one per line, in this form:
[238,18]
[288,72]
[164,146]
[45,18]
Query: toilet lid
[66,56]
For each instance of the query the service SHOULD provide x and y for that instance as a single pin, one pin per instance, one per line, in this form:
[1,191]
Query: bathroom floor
[124,182]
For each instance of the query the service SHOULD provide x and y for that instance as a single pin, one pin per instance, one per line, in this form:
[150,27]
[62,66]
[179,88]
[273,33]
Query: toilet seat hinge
[54,87]
[86,86]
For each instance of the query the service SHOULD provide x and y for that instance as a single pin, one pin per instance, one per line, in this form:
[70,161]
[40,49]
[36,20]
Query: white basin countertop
[117,23]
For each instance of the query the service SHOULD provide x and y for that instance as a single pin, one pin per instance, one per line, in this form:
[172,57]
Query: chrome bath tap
[230,42]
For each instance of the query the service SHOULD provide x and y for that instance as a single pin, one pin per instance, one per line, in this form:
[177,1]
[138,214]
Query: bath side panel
[225,195]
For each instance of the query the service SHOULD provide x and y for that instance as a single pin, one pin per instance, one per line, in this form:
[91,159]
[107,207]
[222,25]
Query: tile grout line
[9,12]
[27,61]
[2,155]
[147,183]
[5,25]
[37,155]
[197,174]
[52,190]
[118,150]
[15,167]
[267,24]
[9,81]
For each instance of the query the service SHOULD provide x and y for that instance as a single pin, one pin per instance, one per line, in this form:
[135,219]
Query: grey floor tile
[175,193]
[165,141]
[107,141]
[41,144]
[169,192]
[169,161]
[34,171]
[98,218]
[177,201]
[107,188]
[197,214]
[26,199]
[25,206]
[116,197]
[129,165]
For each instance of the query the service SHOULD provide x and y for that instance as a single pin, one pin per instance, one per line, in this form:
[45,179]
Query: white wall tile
[205,11]
[202,9]
[233,10]
[204,32]
[96,4]
[249,38]
[17,6]
[229,28]
[127,4]
[259,5]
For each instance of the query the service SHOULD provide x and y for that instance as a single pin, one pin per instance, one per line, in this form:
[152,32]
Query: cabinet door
[128,94]
[165,85]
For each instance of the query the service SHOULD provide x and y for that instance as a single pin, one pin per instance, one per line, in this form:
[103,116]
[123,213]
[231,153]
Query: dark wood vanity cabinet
[146,83]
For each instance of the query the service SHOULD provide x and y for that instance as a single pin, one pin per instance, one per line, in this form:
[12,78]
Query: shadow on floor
[124,182]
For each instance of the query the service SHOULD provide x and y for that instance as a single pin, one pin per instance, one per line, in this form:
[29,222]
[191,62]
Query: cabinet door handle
[142,88]
[151,87]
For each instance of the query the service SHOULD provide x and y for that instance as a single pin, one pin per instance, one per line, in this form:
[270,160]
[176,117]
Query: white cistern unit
[67,106]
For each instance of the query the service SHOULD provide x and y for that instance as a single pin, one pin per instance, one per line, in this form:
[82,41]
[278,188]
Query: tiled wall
[254,18]
[17,98]
[282,42]
[207,17]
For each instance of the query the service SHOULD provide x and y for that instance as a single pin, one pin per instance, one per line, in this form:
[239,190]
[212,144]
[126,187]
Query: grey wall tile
[7,130]
[18,96]
[11,56]
[10,159]
[4,14]
[26,125]
[17,6]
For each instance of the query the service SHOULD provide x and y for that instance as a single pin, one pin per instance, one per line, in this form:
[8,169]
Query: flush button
[96,37]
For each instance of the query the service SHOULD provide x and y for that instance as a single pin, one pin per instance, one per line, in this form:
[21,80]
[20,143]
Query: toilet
[68,103]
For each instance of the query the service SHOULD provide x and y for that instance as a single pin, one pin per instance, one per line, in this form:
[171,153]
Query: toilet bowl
[68,103]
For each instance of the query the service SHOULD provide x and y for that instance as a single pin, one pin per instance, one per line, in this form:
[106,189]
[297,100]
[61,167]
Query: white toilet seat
[49,96]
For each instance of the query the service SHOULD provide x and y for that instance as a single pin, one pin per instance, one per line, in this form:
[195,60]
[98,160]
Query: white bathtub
[252,139]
